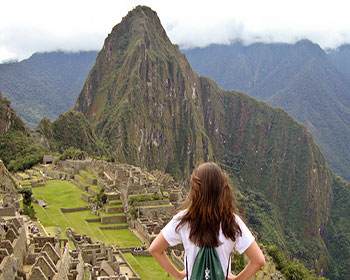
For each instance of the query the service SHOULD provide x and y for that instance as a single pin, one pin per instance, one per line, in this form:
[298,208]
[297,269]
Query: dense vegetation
[19,152]
[46,84]
[70,130]
[28,208]
[291,269]
[17,149]
[310,84]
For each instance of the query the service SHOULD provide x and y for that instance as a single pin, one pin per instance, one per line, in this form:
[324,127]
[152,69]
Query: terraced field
[63,194]
[146,267]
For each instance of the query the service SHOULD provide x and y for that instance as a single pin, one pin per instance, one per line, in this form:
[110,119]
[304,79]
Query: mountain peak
[308,45]
[140,19]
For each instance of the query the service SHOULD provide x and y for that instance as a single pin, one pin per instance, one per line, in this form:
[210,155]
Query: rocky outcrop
[8,118]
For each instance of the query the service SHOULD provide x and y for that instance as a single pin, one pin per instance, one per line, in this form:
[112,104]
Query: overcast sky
[46,25]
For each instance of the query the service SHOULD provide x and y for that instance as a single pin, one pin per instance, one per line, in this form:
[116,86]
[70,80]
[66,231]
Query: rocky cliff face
[7,184]
[8,118]
[150,109]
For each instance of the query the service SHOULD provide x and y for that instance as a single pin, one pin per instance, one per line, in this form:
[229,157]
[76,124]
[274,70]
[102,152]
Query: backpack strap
[186,269]
[228,265]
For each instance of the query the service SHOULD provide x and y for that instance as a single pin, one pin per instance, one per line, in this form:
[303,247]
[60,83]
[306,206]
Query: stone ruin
[102,262]
[154,196]
[24,255]
[13,248]
[48,257]
[8,189]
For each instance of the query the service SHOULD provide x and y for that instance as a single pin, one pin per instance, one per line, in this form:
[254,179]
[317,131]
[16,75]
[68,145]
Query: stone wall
[76,182]
[70,210]
[15,246]
[76,165]
[86,197]
[64,265]
[20,246]
[113,219]
[58,175]
[7,211]
[159,210]
[7,267]
[152,203]
[177,260]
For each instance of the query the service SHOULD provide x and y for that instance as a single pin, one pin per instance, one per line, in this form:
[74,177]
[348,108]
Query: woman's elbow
[260,261]
[155,250]
[152,250]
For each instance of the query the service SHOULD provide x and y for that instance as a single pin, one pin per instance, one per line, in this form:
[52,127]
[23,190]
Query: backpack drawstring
[228,266]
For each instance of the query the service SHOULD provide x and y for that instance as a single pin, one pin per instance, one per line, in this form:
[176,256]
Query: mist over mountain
[311,85]
[341,59]
[46,84]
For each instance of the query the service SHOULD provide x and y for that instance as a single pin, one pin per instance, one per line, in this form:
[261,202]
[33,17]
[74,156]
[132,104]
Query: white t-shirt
[174,237]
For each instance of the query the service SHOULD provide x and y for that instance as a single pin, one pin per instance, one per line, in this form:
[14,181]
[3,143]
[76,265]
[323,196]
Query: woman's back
[208,219]
[174,237]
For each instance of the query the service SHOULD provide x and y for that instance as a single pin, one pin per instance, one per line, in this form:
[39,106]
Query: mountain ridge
[299,78]
[46,84]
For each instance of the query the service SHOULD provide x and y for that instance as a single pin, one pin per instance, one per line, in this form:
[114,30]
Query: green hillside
[18,151]
[310,84]
[46,84]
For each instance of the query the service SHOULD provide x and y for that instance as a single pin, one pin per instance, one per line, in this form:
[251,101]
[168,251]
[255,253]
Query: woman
[208,219]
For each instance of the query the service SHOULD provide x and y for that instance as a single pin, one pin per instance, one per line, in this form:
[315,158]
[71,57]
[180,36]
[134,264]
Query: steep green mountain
[46,84]
[71,129]
[17,149]
[142,98]
[299,78]
[150,109]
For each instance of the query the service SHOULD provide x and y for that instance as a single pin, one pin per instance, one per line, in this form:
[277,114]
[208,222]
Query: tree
[28,208]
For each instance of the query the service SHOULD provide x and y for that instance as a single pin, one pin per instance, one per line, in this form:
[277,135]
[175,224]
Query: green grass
[155,206]
[23,175]
[63,194]
[88,174]
[83,180]
[95,188]
[104,214]
[115,201]
[60,194]
[147,267]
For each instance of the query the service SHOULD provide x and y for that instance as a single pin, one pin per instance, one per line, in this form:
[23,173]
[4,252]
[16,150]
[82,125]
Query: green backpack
[207,265]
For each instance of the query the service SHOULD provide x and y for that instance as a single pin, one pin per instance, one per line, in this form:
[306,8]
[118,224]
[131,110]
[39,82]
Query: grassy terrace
[145,194]
[95,188]
[64,194]
[147,267]
[88,174]
[23,175]
[83,180]
[104,214]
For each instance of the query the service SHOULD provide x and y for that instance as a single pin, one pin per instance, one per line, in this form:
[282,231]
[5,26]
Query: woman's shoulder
[180,214]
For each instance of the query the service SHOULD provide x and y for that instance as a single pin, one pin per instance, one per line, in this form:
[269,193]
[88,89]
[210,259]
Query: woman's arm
[157,250]
[256,261]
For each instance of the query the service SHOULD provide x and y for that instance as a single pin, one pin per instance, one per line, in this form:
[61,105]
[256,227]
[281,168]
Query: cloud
[41,25]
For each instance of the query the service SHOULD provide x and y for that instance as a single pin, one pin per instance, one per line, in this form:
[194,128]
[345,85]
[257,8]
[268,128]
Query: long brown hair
[210,203]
